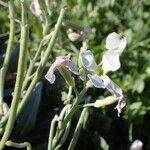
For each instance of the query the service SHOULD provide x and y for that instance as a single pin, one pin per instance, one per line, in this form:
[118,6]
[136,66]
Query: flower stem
[4,68]
[41,67]
[31,66]
[77,130]
[19,145]
[19,79]
[51,133]
[74,108]
[64,137]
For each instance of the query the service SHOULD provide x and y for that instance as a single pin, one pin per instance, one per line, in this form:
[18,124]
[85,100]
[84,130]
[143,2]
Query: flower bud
[74,35]
[35,8]
[106,101]
[3,109]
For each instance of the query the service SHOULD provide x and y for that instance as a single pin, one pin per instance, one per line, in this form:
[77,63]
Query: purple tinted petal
[35,8]
[112,87]
[87,60]
[60,61]
[121,104]
[70,66]
[64,60]
[50,74]
[96,81]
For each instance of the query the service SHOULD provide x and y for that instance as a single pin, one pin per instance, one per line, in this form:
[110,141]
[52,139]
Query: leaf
[138,85]
[103,143]
[28,117]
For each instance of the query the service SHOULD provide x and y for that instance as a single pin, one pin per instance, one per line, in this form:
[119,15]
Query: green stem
[74,108]
[18,85]
[51,133]
[19,145]
[77,130]
[31,66]
[59,132]
[4,68]
[64,137]
[41,67]
[62,115]
[130,132]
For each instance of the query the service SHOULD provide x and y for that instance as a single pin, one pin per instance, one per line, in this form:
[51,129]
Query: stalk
[19,79]
[4,68]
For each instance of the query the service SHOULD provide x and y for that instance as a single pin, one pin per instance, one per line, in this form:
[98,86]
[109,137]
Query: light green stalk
[19,79]
[77,130]
[41,67]
[74,107]
[4,68]
[19,145]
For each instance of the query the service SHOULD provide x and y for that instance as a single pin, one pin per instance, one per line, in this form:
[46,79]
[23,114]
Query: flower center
[100,71]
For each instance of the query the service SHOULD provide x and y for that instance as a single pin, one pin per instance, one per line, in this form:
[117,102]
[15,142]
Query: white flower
[110,62]
[137,145]
[99,81]
[60,61]
[115,45]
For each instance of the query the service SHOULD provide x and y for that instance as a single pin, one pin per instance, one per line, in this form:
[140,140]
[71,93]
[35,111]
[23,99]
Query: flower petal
[68,64]
[60,61]
[122,45]
[50,74]
[137,145]
[110,61]
[115,43]
[87,60]
[121,104]
[35,8]
[112,87]
[96,81]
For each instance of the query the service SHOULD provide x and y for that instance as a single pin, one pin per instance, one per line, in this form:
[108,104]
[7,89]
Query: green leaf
[138,85]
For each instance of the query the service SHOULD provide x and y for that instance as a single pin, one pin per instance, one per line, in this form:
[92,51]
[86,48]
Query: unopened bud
[106,101]
[74,35]
[3,109]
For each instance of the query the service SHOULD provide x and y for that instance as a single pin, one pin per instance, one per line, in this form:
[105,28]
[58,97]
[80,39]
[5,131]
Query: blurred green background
[102,128]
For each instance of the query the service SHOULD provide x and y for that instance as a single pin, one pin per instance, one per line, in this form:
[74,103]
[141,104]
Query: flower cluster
[97,73]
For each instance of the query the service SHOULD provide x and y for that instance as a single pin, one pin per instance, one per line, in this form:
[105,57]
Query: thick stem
[4,68]
[18,85]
